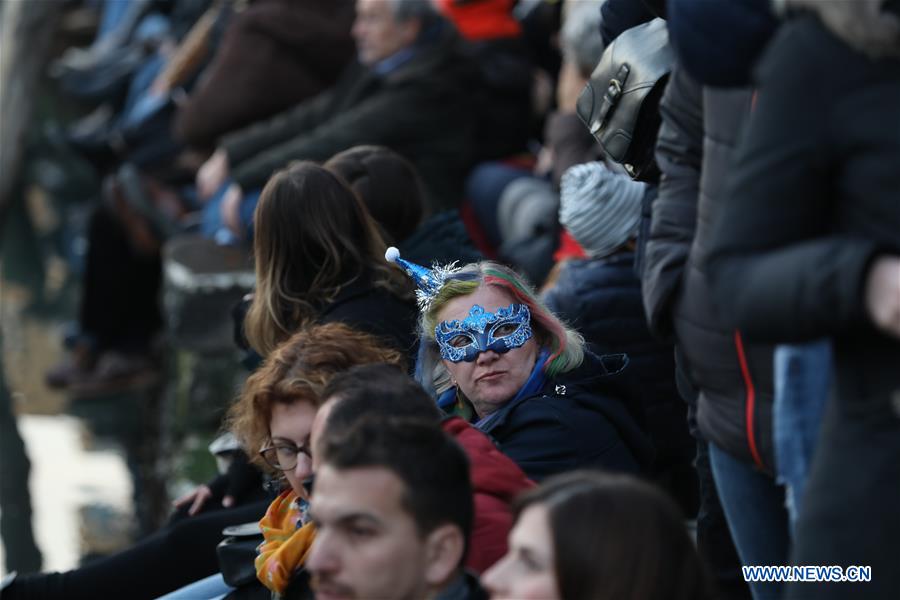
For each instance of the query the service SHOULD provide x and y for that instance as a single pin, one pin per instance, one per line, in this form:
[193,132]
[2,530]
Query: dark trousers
[713,537]
[120,306]
[851,509]
[160,563]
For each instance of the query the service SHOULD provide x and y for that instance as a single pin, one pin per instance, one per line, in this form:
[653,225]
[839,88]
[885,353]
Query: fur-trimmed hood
[866,25]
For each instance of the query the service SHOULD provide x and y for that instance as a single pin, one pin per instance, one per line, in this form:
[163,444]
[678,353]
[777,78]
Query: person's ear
[444,548]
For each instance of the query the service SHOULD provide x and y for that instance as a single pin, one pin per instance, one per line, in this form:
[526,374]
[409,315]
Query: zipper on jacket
[750,401]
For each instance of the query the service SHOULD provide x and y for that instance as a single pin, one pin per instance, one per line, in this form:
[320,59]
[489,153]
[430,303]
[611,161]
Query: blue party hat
[428,281]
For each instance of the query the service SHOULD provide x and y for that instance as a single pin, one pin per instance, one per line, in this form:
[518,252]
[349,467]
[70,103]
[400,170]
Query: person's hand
[230,210]
[543,166]
[212,174]
[569,87]
[883,294]
[197,499]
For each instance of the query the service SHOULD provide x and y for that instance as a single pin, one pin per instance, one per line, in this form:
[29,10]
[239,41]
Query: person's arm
[386,118]
[620,15]
[780,270]
[717,42]
[245,144]
[252,77]
[679,154]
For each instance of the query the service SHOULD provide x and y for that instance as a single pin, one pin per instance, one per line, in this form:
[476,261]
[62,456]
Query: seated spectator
[494,355]
[318,259]
[392,506]
[516,208]
[496,42]
[409,92]
[598,536]
[601,296]
[390,187]
[273,55]
[386,391]
[186,551]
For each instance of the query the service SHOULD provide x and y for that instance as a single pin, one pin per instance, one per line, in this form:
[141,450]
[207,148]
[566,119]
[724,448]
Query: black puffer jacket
[815,200]
[694,151]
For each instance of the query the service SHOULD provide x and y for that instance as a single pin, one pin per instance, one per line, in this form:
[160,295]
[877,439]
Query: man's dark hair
[432,466]
[376,389]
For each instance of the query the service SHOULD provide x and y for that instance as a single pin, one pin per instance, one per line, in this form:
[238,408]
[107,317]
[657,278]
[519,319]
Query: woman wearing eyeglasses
[273,418]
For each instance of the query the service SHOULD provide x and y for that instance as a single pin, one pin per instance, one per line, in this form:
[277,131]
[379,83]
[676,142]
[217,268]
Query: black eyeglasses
[283,456]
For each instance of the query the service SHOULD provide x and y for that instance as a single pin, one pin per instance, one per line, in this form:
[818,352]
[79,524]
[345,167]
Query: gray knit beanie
[601,209]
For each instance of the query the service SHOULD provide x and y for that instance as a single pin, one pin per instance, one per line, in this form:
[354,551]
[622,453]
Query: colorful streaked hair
[566,345]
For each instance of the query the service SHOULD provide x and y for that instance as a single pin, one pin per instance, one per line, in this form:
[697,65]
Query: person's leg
[120,306]
[849,513]
[209,588]
[213,227]
[141,102]
[757,518]
[160,563]
[714,541]
[114,12]
[802,386]
[211,221]
[248,208]
[484,186]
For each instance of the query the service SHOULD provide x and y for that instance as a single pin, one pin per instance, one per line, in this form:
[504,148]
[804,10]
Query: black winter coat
[694,152]
[581,419]
[374,310]
[815,199]
[360,305]
[423,110]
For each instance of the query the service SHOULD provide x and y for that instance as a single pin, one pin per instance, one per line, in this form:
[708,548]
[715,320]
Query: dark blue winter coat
[577,420]
[601,298]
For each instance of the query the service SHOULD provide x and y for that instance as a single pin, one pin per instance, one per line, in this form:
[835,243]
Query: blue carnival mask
[481,331]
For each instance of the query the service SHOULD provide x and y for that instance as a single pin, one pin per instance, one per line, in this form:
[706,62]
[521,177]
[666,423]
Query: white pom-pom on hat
[391,254]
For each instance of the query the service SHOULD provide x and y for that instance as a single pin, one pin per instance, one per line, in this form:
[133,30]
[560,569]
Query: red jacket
[496,480]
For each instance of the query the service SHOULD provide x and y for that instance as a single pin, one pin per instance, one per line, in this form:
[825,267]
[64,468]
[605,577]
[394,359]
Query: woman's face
[527,571]
[290,428]
[491,379]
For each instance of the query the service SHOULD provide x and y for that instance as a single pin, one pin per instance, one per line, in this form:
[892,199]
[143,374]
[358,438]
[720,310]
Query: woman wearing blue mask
[493,354]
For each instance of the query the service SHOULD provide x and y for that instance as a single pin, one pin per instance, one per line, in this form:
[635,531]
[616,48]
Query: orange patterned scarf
[285,546]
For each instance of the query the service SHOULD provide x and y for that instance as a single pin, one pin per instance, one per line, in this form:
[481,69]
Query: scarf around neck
[287,539]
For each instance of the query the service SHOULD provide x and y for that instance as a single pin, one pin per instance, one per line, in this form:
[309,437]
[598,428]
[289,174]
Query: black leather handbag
[620,103]
[237,553]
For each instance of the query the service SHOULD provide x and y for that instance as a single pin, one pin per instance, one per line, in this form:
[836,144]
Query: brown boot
[77,365]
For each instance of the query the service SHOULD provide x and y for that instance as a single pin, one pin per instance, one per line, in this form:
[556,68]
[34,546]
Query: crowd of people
[493,350]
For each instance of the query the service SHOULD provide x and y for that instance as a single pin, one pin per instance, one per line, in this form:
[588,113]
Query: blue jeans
[210,588]
[802,386]
[484,186]
[754,507]
[140,103]
[212,225]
